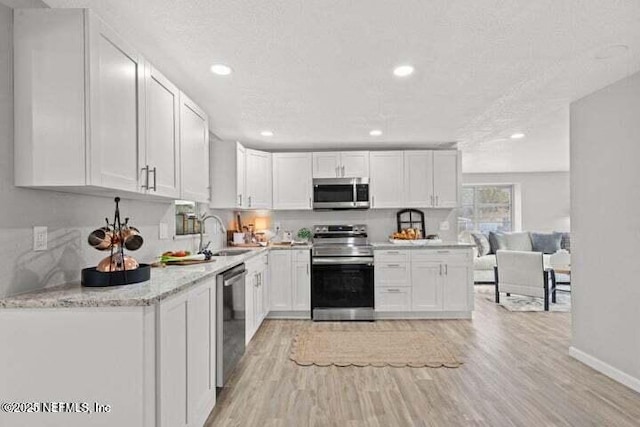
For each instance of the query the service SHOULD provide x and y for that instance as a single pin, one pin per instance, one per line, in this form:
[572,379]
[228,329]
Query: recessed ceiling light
[518,135]
[266,133]
[221,69]
[403,70]
[375,132]
[612,51]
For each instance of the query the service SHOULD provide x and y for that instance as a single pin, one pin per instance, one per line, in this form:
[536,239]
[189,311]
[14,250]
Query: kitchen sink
[231,252]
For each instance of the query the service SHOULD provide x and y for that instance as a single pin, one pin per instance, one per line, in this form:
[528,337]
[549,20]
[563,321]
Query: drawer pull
[443,252]
[393,265]
[393,252]
[393,291]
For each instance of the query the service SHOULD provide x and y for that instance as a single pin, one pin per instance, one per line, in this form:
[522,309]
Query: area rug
[415,349]
[524,303]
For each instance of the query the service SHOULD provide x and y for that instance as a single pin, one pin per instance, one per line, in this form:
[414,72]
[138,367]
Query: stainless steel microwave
[341,193]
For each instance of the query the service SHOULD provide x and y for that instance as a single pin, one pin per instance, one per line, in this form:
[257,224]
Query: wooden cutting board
[192,262]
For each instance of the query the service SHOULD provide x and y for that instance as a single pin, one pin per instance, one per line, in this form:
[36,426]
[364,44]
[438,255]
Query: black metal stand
[91,277]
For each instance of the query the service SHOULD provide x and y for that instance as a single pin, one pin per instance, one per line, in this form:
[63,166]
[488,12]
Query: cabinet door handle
[337,171]
[146,171]
[249,200]
[239,199]
[307,269]
[441,269]
[343,171]
[155,178]
[310,202]
[373,201]
[437,203]
[432,200]
[446,269]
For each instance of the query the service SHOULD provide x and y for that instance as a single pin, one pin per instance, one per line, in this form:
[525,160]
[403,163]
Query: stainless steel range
[342,275]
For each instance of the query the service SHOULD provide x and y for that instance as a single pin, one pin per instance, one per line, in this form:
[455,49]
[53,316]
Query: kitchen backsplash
[381,222]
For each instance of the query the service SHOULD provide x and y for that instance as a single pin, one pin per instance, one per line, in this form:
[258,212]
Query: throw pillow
[547,243]
[496,241]
[520,241]
[482,243]
[565,243]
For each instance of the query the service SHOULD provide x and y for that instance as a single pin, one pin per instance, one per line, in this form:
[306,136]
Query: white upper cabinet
[386,179]
[116,73]
[91,115]
[258,179]
[326,165]
[228,175]
[78,102]
[345,164]
[194,151]
[240,177]
[418,179]
[354,164]
[161,153]
[445,179]
[242,201]
[292,183]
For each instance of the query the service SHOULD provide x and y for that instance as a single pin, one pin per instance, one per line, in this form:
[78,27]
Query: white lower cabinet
[455,292]
[424,280]
[255,307]
[290,282]
[393,298]
[186,359]
[172,340]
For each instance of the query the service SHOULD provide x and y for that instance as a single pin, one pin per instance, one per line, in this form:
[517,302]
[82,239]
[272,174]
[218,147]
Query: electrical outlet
[444,226]
[39,238]
[163,231]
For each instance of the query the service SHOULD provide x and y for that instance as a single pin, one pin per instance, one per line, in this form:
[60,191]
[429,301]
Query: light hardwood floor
[516,372]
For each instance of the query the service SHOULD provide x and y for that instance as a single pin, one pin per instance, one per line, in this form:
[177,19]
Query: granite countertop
[164,282]
[409,245]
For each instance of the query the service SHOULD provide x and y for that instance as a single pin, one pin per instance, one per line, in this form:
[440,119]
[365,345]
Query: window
[487,208]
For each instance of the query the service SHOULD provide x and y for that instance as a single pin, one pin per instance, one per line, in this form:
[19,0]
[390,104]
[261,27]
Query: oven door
[342,288]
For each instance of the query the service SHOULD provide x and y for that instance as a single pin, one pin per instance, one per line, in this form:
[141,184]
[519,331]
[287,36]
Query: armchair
[523,273]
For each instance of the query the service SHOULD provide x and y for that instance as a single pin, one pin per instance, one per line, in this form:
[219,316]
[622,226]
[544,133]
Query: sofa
[556,249]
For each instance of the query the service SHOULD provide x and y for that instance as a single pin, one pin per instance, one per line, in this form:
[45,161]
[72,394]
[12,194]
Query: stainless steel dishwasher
[230,324]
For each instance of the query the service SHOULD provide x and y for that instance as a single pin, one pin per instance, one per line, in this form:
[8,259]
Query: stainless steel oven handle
[342,260]
[236,278]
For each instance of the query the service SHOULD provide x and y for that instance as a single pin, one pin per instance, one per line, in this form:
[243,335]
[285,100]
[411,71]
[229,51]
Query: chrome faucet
[201,220]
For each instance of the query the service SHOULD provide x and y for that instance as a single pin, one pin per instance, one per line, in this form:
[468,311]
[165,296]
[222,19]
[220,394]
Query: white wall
[543,198]
[70,218]
[381,222]
[605,220]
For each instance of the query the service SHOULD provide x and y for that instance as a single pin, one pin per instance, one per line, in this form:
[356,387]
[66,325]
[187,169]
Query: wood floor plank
[516,372]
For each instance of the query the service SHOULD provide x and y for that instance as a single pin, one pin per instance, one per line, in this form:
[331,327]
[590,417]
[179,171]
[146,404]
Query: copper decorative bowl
[93,278]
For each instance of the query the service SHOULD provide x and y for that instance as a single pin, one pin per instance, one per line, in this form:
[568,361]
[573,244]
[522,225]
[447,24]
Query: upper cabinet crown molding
[91,115]
[341,164]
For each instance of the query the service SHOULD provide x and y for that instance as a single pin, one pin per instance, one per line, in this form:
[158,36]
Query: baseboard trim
[606,369]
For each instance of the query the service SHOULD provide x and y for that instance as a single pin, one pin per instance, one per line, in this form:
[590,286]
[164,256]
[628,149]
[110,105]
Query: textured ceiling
[318,72]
